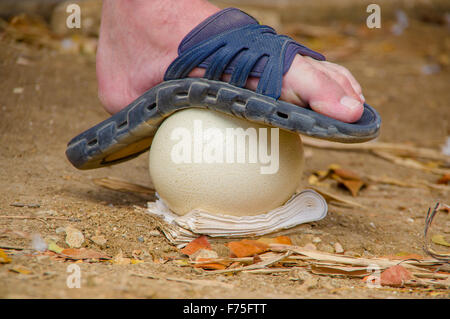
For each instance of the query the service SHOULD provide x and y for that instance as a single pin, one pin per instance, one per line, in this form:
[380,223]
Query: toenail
[362,97]
[350,103]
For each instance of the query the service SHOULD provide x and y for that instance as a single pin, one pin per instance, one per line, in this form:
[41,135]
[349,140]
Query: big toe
[306,84]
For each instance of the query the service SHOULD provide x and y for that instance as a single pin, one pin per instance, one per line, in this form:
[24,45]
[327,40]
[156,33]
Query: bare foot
[140,38]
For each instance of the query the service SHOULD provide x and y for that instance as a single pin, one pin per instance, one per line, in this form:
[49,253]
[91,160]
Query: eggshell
[221,187]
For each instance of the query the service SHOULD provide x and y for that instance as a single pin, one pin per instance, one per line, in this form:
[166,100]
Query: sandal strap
[252,50]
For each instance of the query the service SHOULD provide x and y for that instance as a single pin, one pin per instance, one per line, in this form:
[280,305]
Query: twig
[332,197]
[187,281]
[396,182]
[5,246]
[117,184]
[426,246]
[398,149]
[40,218]
[260,265]
[409,162]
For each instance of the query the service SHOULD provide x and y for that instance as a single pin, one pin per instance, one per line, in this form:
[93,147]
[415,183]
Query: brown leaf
[197,244]
[354,186]
[445,179]
[445,208]
[284,240]
[337,270]
[212,265]
[203,253]
[346,174]
[395,276]
[247,247]
[82,253]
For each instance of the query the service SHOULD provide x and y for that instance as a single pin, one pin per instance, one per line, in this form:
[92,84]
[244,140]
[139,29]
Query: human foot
[139,39]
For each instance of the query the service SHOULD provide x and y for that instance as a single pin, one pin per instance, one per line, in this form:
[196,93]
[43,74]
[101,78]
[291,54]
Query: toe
[345,73]
[321,92]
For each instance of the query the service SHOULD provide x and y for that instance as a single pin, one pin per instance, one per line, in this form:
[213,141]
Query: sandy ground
[52,97]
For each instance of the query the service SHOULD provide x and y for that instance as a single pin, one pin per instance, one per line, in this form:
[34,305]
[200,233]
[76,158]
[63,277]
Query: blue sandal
[229,42]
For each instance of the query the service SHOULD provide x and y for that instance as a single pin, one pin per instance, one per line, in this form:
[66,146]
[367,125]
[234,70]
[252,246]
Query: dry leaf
[440,240]
[120,260]
[181,262]
[4,259]
[404,256]
[21,270]
[195,245]
[315,180]
[203,256]
[445,179]
[354,186]
[346,174]
[335,270]
[345,178]
[212,265]
[284,240]
[52,246]
[117,184]
[329,197]
[203,253]
[82,253]
[247,247]
[395,276]
[445,208]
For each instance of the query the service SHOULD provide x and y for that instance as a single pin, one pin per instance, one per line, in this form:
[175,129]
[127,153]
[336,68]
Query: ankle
[164,23]
[138,41]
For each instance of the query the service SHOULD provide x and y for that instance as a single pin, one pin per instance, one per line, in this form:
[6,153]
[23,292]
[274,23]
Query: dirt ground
[49,95]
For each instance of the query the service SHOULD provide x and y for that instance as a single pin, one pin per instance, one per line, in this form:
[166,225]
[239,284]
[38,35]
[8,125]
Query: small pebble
[410,220]
[316,240]
[74,237]
[371,224]
[140,239]
[60,230]
[338,249]
[327,249]
[22,61]
[154,233]
[99,240]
